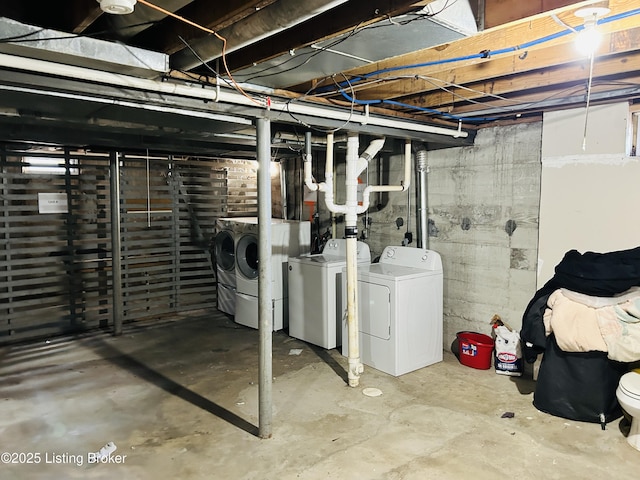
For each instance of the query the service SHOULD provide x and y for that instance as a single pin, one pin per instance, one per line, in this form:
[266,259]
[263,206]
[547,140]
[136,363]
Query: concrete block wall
[484,202]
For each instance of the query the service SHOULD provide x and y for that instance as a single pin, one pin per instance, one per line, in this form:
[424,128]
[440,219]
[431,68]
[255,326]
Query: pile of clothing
[586,323]
[583,323]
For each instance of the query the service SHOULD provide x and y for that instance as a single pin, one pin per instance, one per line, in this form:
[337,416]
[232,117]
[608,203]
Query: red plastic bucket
[475,349]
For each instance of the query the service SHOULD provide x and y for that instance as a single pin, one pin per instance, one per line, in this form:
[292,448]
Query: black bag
[578,386]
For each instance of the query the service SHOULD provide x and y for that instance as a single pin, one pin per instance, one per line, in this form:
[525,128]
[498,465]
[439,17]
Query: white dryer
[288,238]
[315,293]
[400,310]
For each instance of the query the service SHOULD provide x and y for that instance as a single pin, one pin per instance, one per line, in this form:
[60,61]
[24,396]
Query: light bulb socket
[117,7]
[592,13]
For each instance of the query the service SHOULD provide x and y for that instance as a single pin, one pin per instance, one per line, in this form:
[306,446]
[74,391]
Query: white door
[374,302]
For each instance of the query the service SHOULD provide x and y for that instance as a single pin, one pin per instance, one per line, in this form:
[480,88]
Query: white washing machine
[288,238]
[399,310]
[225,257]
[315,293]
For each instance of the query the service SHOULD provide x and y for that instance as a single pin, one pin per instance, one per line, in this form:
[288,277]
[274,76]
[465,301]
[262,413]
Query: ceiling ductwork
[265,22]
[60,47]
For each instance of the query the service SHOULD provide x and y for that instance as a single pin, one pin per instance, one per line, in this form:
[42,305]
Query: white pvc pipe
[355,165]
[355,363]
[351,228]
[404,184]
[107,78]
[329,162]
[214,94]
[327,185]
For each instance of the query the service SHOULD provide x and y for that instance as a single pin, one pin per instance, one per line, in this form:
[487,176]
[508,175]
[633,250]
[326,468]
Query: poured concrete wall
[392,216]
[483,201]
[505,210]
[476,196]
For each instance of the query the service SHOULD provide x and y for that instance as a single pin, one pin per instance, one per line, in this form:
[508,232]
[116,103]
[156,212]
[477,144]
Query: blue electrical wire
[485,54]
[414,107]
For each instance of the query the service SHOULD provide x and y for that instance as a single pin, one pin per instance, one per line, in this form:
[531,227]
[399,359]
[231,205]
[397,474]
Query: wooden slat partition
[55,268]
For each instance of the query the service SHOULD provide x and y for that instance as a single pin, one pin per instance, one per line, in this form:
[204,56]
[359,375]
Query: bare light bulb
[588,39]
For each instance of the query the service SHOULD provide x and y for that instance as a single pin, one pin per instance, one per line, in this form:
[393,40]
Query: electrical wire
[586,113]
[417,16]
[489,53]
[358,80]
[24,38]
[517,107]
[207,30]
[353,32]
[320,129]
[440,85]
[310,54]
[205,64]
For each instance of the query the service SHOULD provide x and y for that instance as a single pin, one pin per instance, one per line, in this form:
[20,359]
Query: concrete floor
[179,399]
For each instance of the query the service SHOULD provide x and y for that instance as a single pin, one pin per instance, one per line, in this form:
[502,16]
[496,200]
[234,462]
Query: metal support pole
[116,247]
[265,303]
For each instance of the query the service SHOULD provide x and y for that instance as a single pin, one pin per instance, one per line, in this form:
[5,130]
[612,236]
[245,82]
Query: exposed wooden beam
[503,69]
[439,58]
[555,99]
[500,12]
[495,39]
[556,82]
[82,14]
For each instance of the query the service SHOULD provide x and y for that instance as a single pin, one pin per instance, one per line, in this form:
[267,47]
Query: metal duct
[421,194]
[82,51]
[265,22]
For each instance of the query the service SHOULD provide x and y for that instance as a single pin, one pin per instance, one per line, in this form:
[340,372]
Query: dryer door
[247,256]
[225,251]
[375,309]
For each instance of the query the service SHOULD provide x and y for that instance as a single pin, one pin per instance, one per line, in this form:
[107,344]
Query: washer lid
[630,384]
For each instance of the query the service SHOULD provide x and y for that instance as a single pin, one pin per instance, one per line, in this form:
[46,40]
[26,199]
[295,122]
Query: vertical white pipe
[404,184]
[351,234]
[328,168]
[265,304]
